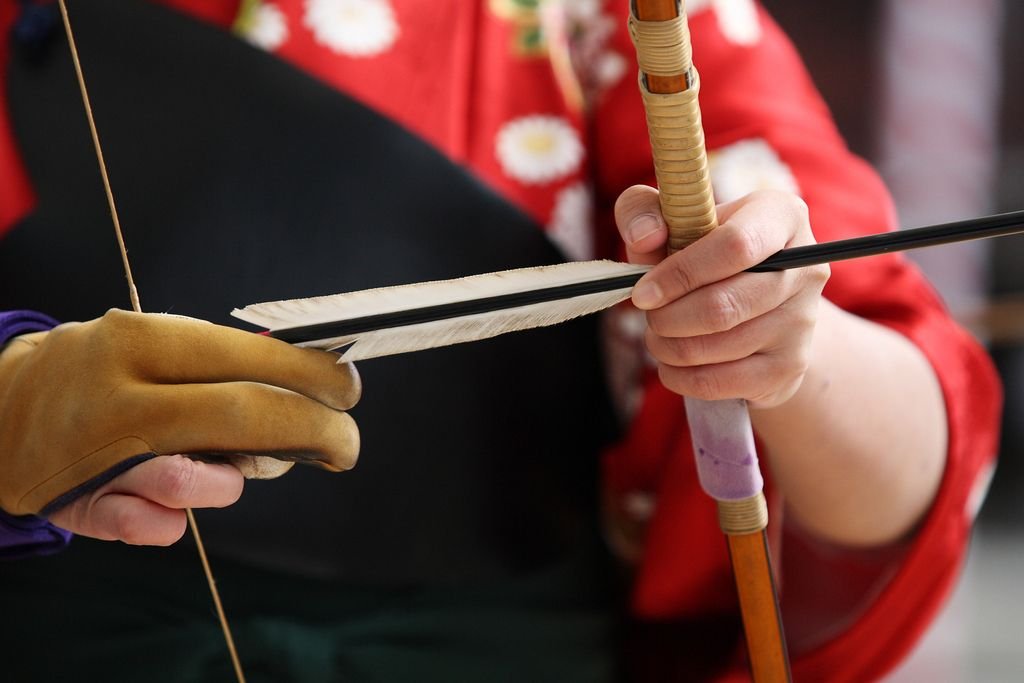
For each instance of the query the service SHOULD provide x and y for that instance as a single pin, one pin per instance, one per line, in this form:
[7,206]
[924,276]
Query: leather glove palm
[85,401]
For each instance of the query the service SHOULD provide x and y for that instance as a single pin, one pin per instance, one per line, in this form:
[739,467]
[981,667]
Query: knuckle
[178,479]
[694,382]
[705,385]
[682,279]
[115,321]
[745,244]
[784,198]
[684,351]
[797,206]
[59,342]
[114,337]
[130,527]
[784,368]
[819,275]
[66,331]
[802,322]
[801,360]
[779,382]
[723,311]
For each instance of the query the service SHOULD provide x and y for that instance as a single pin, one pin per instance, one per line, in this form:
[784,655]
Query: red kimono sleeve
[16,197]
[755,91]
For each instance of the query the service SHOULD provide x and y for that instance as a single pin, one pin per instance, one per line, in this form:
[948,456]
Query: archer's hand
[83,405]
[716,331]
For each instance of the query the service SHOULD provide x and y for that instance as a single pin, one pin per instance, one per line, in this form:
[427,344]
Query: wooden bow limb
[723,439]
[137,307]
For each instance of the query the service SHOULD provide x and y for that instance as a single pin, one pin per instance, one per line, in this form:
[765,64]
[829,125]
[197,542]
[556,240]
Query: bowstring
[137,307]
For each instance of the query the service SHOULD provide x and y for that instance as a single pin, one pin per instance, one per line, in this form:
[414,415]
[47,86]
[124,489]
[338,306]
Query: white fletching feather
[278,315]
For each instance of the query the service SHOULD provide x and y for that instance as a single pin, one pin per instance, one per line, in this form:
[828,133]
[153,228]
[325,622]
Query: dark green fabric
[108,612]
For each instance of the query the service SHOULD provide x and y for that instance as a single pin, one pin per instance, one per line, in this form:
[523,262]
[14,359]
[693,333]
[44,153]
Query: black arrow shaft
[795,257]
[901,240]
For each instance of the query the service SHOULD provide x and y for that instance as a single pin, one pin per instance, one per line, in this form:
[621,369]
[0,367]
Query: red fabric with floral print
[492,85]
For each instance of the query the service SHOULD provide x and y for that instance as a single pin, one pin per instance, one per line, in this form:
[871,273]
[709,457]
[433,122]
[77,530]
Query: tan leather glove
[85,401]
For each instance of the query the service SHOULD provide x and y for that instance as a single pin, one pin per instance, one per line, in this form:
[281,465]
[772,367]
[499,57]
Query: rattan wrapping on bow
[676,132]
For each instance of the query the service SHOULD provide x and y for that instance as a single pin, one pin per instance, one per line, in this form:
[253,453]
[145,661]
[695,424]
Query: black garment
[239,179]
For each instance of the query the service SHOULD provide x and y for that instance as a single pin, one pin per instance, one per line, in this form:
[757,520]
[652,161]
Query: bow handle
[669,86]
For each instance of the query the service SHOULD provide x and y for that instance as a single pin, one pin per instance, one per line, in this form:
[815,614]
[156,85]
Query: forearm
[859,451]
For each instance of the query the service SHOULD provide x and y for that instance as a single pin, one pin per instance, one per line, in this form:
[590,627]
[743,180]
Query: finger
[120,517]
[244,417]
[177,482]
[785,329]
[764,379]
[723,305]
[757,228]
[641,226]
[709,349]
[726,211]
[195,351]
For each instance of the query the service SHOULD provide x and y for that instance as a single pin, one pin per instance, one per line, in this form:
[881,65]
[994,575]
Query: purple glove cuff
[13,323]
[28,535]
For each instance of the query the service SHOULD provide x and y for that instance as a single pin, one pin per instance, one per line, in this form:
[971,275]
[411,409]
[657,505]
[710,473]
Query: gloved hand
[84,402]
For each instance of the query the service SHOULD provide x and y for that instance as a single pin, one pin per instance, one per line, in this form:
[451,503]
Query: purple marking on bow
[724,445]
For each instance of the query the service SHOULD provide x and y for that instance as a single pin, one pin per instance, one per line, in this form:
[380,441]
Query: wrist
[15,323]
[27,535]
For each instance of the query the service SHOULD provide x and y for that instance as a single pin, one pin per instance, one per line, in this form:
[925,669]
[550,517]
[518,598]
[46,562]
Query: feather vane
[390,320]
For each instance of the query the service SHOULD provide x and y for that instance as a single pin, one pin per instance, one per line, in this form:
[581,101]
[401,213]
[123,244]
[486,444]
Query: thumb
[641,226]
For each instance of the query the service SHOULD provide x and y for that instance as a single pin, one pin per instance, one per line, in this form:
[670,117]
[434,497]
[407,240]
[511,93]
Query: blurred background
[928,91]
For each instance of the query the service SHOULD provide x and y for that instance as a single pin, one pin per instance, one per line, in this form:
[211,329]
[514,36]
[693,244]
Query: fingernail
[647,295]
[642,226]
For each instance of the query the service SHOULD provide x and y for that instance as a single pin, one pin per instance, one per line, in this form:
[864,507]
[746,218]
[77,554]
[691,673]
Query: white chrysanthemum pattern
[737,19]
[583,9]
[267,27]
[571,226]
[357,28]
[609,67]
[597,65]
[748,165]
[538,149]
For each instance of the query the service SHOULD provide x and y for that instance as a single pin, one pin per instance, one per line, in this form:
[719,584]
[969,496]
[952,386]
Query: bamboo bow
[137,307]
[721,430]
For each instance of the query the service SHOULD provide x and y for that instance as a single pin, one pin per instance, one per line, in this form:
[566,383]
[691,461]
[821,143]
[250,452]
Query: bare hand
[146,504]
[716,331]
